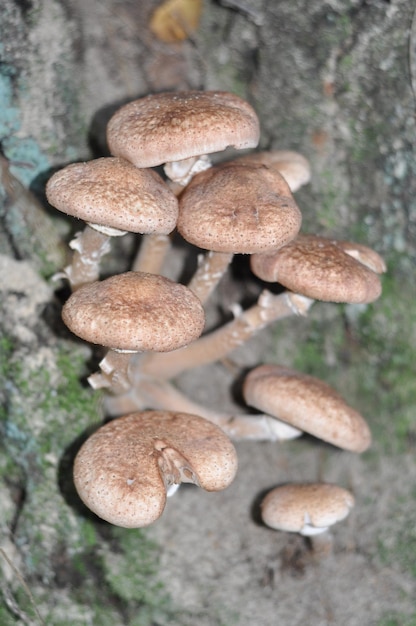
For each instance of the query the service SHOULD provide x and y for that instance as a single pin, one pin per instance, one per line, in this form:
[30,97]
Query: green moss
[112,581]
[402,553]
[327,210]
[6,618]
[396,541]
[228,74]
[365,142]
[6,350]
[346,63]
[387,333]
[123,575]
[49,393]
[398,619]
[107,580]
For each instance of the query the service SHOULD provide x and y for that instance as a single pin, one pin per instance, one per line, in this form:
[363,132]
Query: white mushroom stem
[89,247]
[152,393]
[219,343]
[152,253]
[181,172]
[321,543]
[211,268]
[114,374]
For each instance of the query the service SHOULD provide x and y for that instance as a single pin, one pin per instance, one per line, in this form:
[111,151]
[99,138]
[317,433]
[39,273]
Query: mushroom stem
[181,172]
[114,372]
[211,268]
[219,343]
[152,253]
[147,392]
[321,544]
[89,246]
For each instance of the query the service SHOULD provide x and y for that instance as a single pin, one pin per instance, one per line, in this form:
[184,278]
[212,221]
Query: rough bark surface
[332,79]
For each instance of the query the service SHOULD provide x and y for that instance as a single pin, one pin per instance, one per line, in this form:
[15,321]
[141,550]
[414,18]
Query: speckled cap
[123,470]
[307,403]
[306,508]
[323,269]
[135,311]
[293,166]
[167,127]
[112,192]
[238,208]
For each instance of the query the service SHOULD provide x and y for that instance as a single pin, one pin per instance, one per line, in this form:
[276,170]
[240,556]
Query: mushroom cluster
[153,327]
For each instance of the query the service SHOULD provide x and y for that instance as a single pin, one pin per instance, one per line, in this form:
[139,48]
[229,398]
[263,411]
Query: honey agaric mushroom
[307,403]
[123,471]
[293,166]
[133,312]
[177,129]
[232,209]
[144,454]
[309,509]
[113,197]
[323,269]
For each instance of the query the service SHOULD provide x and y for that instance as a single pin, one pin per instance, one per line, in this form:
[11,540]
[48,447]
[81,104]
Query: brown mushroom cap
[135,311]
[306,403]
[238,208]
[293,166]
[365,255]
[306,508]
[167,127]
[123,470]
[112,192]
[323,269]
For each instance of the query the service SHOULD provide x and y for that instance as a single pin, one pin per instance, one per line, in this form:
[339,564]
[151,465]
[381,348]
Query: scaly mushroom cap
[168,127]
[306,403]
[238,208]
[323,269]
[306,508]
[123,470]
[293,166]
[112,192]
[135,311]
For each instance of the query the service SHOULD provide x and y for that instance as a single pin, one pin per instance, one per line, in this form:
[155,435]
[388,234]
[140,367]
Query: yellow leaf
[176,20]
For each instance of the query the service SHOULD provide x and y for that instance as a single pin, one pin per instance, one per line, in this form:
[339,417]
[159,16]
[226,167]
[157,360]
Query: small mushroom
[134,312]
[179,128]
[293,166]
[124,470]
[239,208]
[113,197]
[323,269]
[232,209]
[309,509]
[307,403]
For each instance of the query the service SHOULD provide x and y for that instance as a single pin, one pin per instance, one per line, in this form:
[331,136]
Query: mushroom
[132,312]
[123,471]
[309,509]
[323,269]
[293,166]
[180,129]
[232,209]
[113,197]
[306,508]
[308,404]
